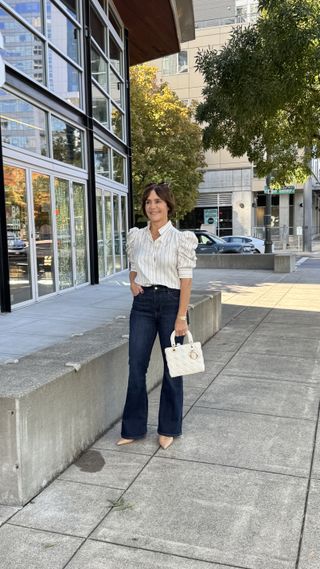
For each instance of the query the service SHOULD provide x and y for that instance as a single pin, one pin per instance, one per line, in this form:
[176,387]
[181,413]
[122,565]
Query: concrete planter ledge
[50,412]
[279,263]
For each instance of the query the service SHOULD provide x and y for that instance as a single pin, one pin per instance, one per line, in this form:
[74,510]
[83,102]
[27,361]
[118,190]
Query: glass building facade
[64,131]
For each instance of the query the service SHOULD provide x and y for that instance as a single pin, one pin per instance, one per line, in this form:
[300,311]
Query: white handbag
[184,359]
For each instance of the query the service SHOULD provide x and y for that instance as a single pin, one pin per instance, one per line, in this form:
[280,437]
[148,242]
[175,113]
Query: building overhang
[156,27]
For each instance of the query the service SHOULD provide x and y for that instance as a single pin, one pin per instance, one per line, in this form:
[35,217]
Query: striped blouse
[163,261]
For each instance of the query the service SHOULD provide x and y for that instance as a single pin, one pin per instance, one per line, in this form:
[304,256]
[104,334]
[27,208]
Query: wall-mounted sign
[210,216]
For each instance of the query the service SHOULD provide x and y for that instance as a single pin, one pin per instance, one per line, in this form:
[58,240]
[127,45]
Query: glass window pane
[63,224]
[182,62]
[118,168]
[29,11]
[64,79]
[98,30]
[124,230]
[114,21]
[62,32]
[23,50]
[116,232]
[108,233]
[71,6]
[80,230]
[99,69]
[115,54]
[116,88]
[66,142]
[23,125]
[18,234]
[102,158]
[117,122]
[100,235]
[100,105]
[43,233]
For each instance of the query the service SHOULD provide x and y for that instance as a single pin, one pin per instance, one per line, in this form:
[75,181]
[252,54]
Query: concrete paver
[211,513]
[234,490]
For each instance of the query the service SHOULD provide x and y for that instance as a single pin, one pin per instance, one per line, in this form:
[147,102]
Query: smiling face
[156,209]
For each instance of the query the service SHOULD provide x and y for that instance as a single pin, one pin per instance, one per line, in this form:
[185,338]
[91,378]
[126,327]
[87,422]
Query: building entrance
[47,233]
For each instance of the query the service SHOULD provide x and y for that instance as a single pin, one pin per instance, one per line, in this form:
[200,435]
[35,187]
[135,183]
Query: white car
[257,244]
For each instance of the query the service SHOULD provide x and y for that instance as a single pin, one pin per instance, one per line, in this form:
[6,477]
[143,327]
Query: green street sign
[277,191]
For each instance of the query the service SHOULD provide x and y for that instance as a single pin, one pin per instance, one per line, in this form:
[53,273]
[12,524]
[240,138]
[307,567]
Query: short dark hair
[163,191]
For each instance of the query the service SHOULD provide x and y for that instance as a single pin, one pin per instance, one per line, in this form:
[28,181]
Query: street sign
[277,191]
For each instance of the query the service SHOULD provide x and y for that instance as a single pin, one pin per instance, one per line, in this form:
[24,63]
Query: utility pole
[267,217]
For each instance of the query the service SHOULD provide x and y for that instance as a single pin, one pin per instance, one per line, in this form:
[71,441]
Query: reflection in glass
[98,30]
[43,233]
[23,125]
[80,230]
[115,22]
[124,230]
[18,234]
[100,106]
[23,50]
[29,11]
[71,6]
[108,233]
[117,122]
[118,168]
[63,224]
[62,32]
[115,54]
[102,158]
[64,79]
[116,88]
[100,236]
[66,142]
[99,69]
[116,232]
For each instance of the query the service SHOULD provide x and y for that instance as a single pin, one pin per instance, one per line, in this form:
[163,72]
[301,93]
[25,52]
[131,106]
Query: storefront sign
[277,191]
[210,216]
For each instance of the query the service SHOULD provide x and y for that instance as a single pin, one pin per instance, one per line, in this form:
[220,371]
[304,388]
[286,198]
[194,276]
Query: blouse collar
[162,229]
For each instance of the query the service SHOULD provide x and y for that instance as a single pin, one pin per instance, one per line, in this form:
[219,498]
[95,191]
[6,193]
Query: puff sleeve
[186,254]
[131,239]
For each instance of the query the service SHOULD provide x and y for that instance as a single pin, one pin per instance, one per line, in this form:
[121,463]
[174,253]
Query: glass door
[80,232]
[18,234]
[64,233]
[43,234]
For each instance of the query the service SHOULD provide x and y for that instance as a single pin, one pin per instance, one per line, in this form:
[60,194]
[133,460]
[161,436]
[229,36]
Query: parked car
[211,244]
[257,244]
[14,242]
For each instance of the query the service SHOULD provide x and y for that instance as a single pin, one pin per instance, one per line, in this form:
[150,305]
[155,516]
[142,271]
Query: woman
[161,262]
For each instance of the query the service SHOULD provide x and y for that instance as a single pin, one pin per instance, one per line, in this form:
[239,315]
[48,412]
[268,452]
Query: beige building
[231,197]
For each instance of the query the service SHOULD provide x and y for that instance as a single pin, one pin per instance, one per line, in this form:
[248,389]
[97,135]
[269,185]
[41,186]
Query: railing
[231,20]
[286,238]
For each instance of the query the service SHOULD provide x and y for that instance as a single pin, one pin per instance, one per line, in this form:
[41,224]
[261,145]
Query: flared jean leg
[143,330]
[171,398]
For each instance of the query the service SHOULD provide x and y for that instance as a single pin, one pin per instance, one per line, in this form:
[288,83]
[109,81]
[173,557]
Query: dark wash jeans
[153,312]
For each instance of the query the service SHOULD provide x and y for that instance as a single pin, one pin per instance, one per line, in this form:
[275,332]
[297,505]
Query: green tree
[262,90]
[166,142]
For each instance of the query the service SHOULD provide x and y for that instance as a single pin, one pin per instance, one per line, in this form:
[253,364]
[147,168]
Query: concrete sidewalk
[239,490]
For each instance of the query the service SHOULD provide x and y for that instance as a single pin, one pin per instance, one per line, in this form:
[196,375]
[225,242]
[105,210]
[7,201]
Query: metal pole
[267,218]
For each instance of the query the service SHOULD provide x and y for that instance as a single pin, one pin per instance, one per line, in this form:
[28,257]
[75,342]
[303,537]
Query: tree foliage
[262,90]
[166,142]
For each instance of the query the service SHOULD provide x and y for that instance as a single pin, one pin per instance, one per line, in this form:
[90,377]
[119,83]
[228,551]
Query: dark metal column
[267,218]
[92,212]
[129,141]
[4,262]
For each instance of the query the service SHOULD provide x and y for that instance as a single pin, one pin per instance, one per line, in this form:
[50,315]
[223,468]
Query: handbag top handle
[173,337]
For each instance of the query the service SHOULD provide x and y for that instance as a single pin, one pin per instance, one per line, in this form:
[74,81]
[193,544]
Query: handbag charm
[184,359]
